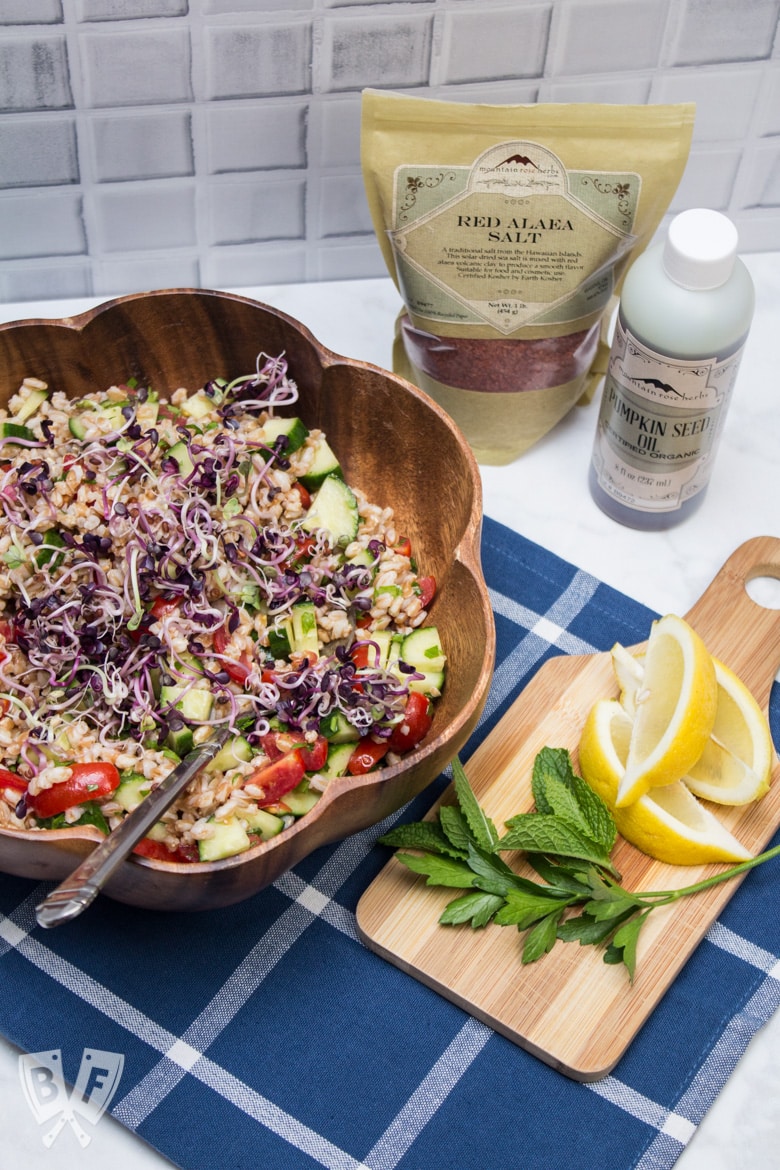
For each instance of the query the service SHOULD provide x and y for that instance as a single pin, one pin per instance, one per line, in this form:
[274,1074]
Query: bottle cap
[700,249]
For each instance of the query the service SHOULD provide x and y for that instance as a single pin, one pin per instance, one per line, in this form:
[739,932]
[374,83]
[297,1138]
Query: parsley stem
[664,896]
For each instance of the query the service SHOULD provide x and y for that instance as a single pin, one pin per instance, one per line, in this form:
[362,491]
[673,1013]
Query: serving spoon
[80,889]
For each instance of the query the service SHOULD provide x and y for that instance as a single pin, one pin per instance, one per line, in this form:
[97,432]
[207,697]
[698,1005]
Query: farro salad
[168,566]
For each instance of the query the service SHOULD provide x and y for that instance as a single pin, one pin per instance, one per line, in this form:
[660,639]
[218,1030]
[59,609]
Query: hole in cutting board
[765,591]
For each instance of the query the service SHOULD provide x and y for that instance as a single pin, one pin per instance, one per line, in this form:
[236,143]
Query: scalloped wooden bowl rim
[466,553]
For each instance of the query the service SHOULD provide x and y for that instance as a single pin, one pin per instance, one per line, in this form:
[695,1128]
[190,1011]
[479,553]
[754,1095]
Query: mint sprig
[567,841]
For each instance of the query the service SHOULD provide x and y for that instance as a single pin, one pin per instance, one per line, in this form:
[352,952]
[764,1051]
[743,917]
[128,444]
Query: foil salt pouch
[507,231]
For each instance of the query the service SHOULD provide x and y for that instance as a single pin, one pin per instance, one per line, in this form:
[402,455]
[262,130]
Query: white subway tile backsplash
[495,43]
[161,142]
[129,9]
[31,12]
[34,280]
[720,30]
[147,145]
[161,270]
[708,180]
[343,207]
[377,50]
[628,89]
[34,73]
[257,60]
[602,36]
[255,137]
[38,151]
[45,224]
[245,266]
[335,133]
[725,99]
[147,216]
[249,212]
[129,68]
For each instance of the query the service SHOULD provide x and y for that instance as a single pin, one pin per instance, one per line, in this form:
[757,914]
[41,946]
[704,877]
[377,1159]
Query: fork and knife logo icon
[48,1097]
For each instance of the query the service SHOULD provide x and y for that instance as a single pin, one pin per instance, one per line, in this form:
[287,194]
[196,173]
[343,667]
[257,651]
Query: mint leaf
[541,938]
[557,789]
[455,828]
[545,833]
[522,909]
[420,835]
[482,828]
[440,871]
[477,908]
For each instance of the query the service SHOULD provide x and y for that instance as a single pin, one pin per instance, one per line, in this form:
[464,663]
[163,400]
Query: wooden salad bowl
[393,442]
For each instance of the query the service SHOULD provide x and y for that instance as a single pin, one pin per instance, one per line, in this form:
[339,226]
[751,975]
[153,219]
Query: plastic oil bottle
[685,311]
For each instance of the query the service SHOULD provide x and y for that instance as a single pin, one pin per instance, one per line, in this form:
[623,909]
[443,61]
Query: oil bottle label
[659,423]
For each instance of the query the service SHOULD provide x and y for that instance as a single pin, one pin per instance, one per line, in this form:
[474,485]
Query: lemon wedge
[667,823]
[675,709]
[736,763]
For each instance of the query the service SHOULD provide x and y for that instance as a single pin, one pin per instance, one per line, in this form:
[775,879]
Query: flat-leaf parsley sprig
[567,840]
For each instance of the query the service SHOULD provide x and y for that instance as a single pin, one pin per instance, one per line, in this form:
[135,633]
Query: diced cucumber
[194,705]
[47,552]
[132,790]
[335,509]
[158,831]
[146,414]
[292,428]
[236,751]
[280,639]
[322,465]
[337,729]
[229,837]
[12,430]
[197,406]
[76,426]
[180,452]
[264,823]
[422,649]
[430,684]
[339,755]
[302,799]
[180,740]
[304,638]
[34,399]
[380,642]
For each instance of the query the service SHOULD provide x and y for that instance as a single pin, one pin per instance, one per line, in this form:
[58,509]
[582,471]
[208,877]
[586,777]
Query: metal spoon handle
[81,888]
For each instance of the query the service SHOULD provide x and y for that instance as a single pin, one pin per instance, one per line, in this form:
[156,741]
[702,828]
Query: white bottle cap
[700,249]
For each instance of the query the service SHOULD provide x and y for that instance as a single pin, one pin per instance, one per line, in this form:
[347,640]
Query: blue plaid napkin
[266,1035]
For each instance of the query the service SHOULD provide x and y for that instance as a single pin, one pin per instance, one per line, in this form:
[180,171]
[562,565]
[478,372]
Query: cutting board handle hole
[765,591]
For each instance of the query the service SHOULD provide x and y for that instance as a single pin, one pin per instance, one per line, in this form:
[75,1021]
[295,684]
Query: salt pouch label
[507,230]
[513,240]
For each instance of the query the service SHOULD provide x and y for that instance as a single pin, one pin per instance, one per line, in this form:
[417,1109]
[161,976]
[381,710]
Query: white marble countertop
[544,496]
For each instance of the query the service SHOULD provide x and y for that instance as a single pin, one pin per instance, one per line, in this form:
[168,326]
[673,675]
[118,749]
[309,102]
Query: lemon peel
[667,823]
[735,766]
[675,709]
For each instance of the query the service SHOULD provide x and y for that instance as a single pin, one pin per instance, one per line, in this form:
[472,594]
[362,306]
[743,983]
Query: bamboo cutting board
[571,1009]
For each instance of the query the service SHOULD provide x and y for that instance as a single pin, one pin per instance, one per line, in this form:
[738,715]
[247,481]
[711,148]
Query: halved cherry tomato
[404,546]
[427,586]
[239,669]
[366,755]
[304,493]
[11,780]
[162,606]
[362,653]
[416,724]
[279,776]
[159,851]
[86,782]
[279,743]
